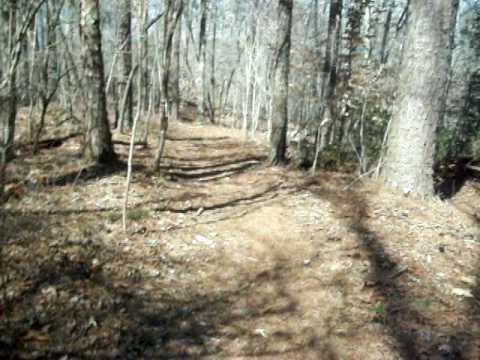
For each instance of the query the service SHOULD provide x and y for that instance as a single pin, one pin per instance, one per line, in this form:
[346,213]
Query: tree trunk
[98,137]
[386,31]
[278,140]
[8,93]
[329,78]
[125,43]
[176,73]
[202,59]
[420,102]
[173,12]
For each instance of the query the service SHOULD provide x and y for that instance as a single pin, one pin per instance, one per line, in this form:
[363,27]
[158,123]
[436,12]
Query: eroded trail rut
[228,258]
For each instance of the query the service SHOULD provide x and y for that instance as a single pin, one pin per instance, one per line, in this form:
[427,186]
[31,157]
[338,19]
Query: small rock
[202,240]
[261,332]
[470,280]
[154,273]
[152,242]
[50,292]
[462,292]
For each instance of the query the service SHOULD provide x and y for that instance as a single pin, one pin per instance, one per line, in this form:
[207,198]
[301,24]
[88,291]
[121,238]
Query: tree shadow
[213,158]
[402,320]
[168,204]
[211,172]
[472,351]
[88,301]
[198,139]
[89,173]
[50,143]
[254,160]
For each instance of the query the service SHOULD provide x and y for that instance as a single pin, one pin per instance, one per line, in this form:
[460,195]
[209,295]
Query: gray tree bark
[176,73]
[202,59]
[420,101]
[125,43]
[329,77]
[281,69]
[98,137]
[8,93]
[173,13]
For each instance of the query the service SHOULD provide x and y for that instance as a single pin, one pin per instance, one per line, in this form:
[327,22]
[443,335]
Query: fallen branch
[358,179]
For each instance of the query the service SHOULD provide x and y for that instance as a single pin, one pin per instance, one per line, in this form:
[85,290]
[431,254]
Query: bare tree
[98,136]
[281,71]
[8,91]
[202,58]
[125,44]
[420,101]
[329,76]
[173,13]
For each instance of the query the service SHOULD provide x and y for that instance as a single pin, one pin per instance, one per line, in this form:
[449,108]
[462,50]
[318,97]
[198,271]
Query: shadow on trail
[199,139]
[87,300]
[93,172]
[402,320]
[211,172]
[213,158]
[473,325]
[228,162]
[49,143]
[204,203]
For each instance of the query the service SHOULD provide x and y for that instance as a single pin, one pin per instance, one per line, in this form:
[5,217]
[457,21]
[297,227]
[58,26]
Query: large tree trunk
[125,43]
[420,102]
[281,69]
[8,93]
[98,137]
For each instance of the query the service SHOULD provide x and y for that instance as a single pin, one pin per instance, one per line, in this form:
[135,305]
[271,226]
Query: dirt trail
[229,258]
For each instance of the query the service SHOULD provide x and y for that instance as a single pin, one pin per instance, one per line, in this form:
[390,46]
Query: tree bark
[202,59]
[125,43]
[278,140]
[98,137]
[176,73]
[420,101]
[329,78]
[8,93]
[172,17]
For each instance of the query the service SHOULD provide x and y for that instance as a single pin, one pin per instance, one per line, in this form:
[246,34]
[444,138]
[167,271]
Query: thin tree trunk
[176,73]
[125,46]
[202,58]
[329,77]
[386,31]
[174,12]
[211,91]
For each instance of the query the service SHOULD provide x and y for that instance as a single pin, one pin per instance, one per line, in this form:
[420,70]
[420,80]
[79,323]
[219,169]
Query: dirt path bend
[229,258]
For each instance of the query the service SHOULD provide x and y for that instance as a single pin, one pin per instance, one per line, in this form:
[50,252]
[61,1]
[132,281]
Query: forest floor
[230,258]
